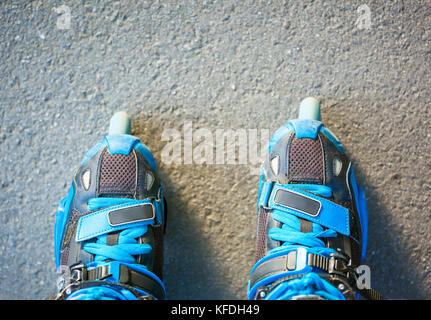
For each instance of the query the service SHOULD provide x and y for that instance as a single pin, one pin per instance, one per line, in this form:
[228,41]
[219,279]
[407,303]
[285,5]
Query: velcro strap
[141,212]
[311,207]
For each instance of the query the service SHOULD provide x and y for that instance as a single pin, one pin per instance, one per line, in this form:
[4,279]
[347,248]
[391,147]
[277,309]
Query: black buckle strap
[273,266]
[337,264]
[127,276]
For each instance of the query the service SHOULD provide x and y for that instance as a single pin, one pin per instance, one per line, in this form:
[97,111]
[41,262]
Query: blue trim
[265,192]
[60,222]
[96,223]
[331,215]
[261,183]
[124,143]
[363,213]
[361,206]
[161,203]
[305,128]
[158,210]
[121,144]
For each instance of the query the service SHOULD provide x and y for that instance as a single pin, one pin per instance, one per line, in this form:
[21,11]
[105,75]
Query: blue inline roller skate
[109,229]
[312,217]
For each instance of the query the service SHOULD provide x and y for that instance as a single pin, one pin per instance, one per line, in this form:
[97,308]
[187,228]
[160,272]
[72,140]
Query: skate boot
[109,229]
[312,217]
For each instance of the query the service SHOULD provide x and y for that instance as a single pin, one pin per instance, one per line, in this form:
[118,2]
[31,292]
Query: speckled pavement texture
[220,65]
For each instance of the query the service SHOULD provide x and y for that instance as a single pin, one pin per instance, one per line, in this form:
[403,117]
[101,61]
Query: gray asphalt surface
[222,65]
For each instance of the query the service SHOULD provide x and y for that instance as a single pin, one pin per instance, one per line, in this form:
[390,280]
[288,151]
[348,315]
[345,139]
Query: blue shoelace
[127,246]
[309,285]
[292,238]
[101,293]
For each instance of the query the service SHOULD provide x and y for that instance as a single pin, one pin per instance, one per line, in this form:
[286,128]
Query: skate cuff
[291,200]
[139,213]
